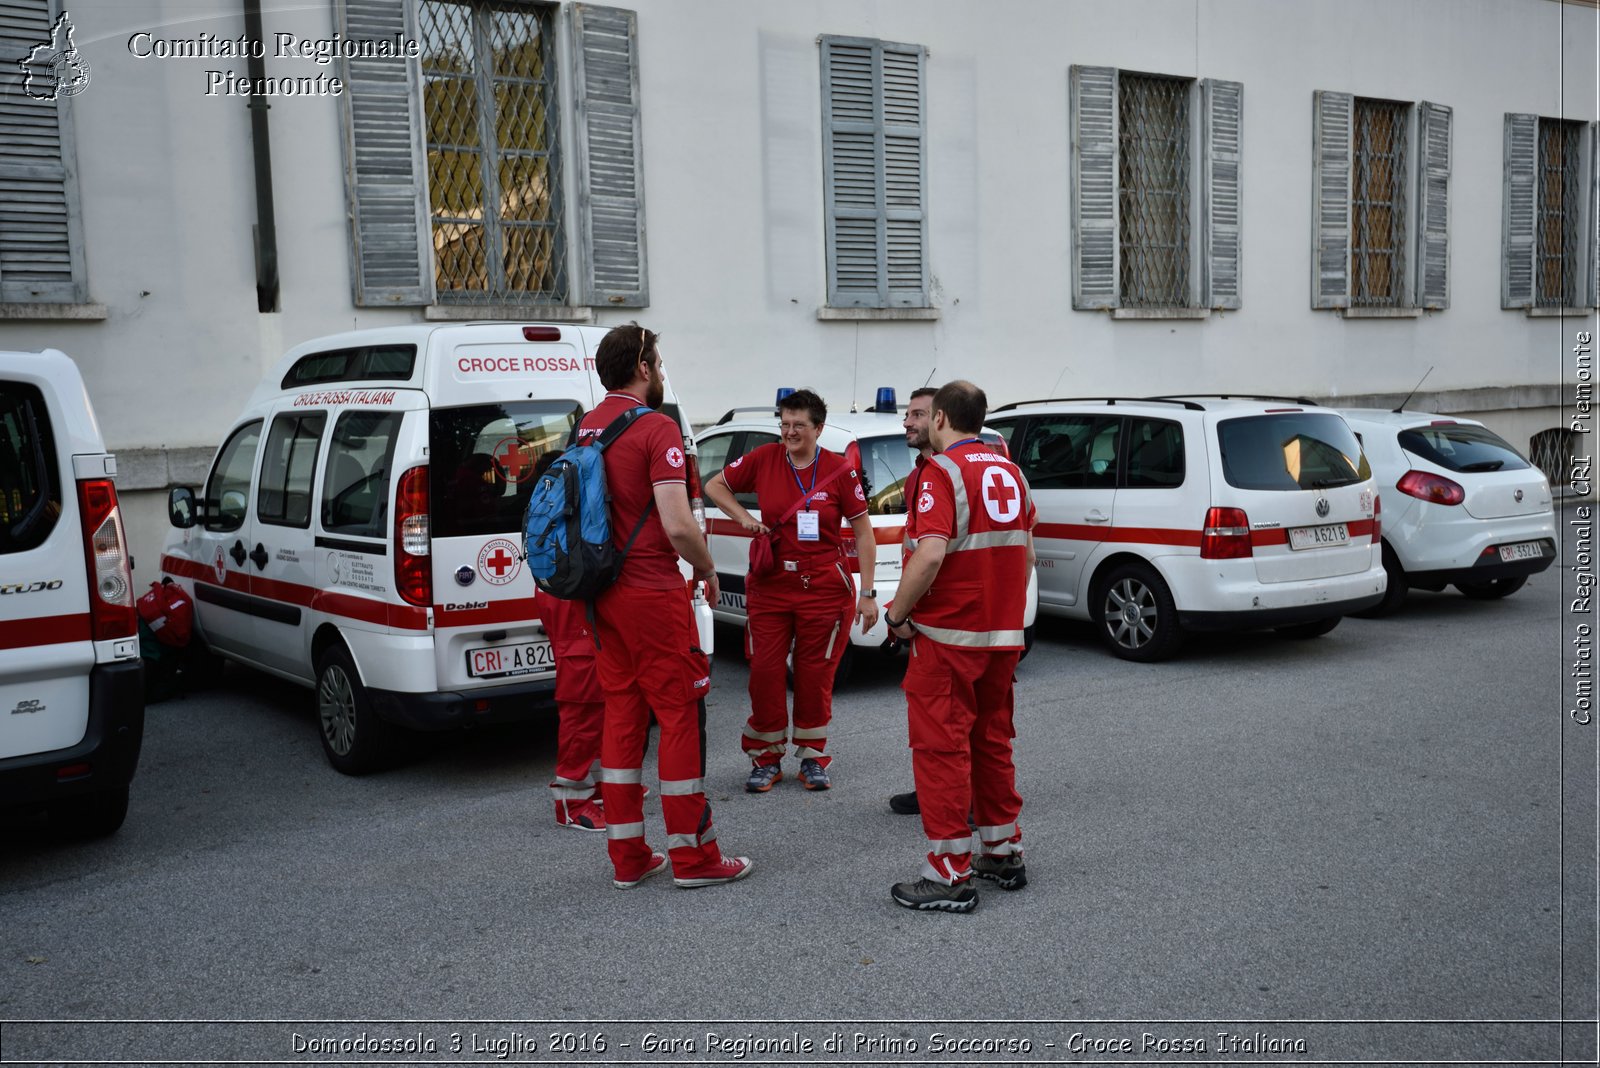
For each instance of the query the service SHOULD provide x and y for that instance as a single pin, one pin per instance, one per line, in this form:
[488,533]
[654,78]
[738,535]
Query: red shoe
[729,869]
[658,864]
[586,816]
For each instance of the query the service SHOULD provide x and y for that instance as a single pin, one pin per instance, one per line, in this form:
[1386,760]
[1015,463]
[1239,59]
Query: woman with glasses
[805,495]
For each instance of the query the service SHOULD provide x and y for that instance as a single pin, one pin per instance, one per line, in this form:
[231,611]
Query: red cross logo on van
[220,567]
[513,459]
[499,562]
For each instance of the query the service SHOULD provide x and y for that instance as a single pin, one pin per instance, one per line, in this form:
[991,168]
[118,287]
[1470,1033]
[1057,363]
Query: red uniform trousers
[582,706]
[960,706]
[646,664]
[812,609]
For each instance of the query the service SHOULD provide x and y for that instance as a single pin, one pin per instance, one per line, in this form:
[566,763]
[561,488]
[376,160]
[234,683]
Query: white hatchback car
[1465,509]
[874,442]
[1159,516]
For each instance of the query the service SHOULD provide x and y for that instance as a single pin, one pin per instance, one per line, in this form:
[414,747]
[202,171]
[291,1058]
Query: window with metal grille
[490,106]
[1556,244]
[1378,203]
[1153,190]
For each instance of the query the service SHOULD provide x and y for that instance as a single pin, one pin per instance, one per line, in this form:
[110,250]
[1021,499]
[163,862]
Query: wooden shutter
[874,178]
[610,156]
[41,237]
[1330,199]
[1521,211]
[385,168]
[1223,116]
[1093,109]
[1433,205]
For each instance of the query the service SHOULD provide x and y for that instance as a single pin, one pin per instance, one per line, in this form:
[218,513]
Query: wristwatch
[892,625]
[871,595]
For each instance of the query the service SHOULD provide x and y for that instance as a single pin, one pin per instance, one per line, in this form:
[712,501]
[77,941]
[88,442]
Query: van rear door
[500,403]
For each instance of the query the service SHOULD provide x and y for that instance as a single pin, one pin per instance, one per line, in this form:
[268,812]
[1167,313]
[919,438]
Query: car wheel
[1315,629]
[354,739]
[92,816]
[1138,619]
[1493,589]
[1394,595]
[1027,642]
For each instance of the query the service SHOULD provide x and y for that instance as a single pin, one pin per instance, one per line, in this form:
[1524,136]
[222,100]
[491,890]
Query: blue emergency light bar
[886,401]
[783,391]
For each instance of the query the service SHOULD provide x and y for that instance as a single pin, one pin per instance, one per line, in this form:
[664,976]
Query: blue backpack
[566,531]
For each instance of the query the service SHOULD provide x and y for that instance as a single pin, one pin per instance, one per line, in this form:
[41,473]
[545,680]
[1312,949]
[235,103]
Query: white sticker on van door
[499,562]
[219,567]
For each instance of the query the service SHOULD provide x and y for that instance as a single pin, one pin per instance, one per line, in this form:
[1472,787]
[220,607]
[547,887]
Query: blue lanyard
[816,462]
[968,441]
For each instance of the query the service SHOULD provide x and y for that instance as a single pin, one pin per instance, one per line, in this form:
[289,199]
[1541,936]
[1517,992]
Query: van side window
[1069,452]
[1155,454]
[753,439]
[30,482]
[355,484]
[227,496]
[291,458]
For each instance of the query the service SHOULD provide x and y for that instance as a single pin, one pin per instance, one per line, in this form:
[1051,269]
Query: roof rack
[727,416]
[1189,404]
[1237,396]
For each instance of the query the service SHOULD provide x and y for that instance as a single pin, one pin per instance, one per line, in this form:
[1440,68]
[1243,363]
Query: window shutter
[41,238]
[610,155]
[874,181]
[391,237]
[1094,187]
[1330,199]
[1520,213]
[1433,205]
[1223,114]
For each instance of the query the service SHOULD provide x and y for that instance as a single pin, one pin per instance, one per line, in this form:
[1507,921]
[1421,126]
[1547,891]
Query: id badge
[807,528]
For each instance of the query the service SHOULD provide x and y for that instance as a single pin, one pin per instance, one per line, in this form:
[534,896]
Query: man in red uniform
[919,410]
[645,629]
[961,604]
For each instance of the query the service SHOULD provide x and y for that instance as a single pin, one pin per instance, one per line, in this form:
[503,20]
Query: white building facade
[1050,197]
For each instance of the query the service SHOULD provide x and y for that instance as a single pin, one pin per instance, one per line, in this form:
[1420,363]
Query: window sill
[1160,313]
[889,315]
[25,310]
[520,313]
[1381,313]
[1560,313]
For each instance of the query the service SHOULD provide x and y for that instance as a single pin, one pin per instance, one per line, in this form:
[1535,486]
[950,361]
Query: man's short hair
[620,350]
[803,400]
[922,391]
[963,404]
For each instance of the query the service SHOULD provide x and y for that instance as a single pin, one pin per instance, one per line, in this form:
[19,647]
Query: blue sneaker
[762,776]
[813,776]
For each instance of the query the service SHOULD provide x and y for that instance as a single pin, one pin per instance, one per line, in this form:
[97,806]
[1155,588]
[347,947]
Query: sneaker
[729,869]
[658,864]
[762,776]
[589,816]
[813,776]
[928,894]
[905,804]
[1007,872]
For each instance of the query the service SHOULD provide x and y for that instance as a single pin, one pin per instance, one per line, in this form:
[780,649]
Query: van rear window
[30,482]
[1462,447]
[1291,451]
[482,460]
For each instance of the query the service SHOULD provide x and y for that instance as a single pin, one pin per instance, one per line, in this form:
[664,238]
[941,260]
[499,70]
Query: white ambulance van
[71,681]
[360,531]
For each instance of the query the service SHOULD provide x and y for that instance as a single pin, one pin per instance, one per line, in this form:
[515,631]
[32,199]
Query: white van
[360,531]
[71,681]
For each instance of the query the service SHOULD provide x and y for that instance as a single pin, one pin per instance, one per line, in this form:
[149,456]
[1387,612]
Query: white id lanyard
[807,528]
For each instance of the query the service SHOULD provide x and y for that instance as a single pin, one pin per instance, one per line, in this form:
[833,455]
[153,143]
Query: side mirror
[181,509]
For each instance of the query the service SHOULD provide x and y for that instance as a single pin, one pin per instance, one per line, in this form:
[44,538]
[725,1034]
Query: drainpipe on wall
[266,228]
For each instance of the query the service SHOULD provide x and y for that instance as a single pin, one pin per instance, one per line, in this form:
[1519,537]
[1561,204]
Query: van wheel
[1394,595]
[354,739]
[1493,589]
[92,816]
[1138,619]
[1027,642]
[1315,629]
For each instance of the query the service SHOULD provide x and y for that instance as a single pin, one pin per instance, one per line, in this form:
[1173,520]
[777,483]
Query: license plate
[1523,550]
[1319,537]
[525,658]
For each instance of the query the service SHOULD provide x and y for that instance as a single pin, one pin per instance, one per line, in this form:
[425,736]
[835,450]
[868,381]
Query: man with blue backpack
[644,625]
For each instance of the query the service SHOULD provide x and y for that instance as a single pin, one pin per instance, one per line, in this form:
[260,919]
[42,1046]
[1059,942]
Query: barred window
[1153,189]
[1559,203]
[490,106]
[1378,204]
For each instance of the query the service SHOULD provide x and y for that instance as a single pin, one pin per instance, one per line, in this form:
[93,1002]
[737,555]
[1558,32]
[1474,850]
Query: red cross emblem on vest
[1002,497]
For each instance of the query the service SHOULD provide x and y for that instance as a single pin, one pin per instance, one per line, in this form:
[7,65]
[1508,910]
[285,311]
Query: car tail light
[1226,535]
[1435,489]
[413,544]
[697,495]
[1377,519]
[541,333]
[852,551]
[852,456]
[111,611]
